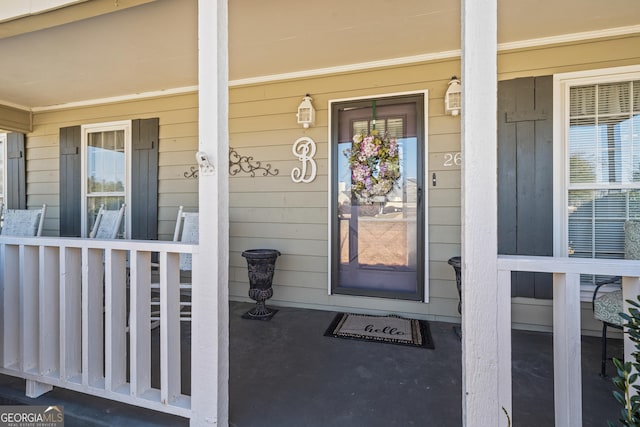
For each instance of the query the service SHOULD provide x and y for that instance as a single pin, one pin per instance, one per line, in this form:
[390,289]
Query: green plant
[628,393]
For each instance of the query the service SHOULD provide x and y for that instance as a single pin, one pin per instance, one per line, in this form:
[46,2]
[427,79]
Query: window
[105,166]
[602,165]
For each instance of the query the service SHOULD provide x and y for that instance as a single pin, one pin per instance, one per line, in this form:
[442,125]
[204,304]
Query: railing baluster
[11,305]
[70,313]
[49,339]
[566,350]
[139,323]
[92,317]
[169,327]
[115,319]
[29,304]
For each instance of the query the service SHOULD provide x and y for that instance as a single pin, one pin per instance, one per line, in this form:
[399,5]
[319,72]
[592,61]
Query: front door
[377,197]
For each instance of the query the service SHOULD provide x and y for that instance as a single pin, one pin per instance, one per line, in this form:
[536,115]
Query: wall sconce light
[453,97]
[306,112]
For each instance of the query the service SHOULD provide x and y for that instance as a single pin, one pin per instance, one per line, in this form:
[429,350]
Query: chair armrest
[616,279]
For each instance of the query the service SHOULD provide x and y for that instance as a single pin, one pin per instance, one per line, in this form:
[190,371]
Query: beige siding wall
[274,212]
[178,143]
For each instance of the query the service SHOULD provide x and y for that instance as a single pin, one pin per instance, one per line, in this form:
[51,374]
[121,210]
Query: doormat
[388,329]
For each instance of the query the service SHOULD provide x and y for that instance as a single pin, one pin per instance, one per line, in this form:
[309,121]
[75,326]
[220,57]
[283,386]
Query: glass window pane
[105,162]
[613,98]
[609,239]
[109,202]
[582,100]
[581,204]
[634,157]
[395,128]
[615,151]
[361,126]
[582,151]
[596,221]
[604,145]
[610,204]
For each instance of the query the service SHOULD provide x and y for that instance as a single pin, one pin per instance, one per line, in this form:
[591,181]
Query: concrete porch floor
[286,373]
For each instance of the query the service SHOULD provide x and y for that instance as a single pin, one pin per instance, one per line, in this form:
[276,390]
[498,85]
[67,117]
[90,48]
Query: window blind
[604,168]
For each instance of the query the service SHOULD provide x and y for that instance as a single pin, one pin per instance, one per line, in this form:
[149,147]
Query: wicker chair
[107,224]
[23,222]
[608,306]
[186,231]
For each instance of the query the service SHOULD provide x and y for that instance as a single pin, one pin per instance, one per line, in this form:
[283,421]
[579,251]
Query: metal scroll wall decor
[237,164]
[304,149]
[192,173]
[246,164]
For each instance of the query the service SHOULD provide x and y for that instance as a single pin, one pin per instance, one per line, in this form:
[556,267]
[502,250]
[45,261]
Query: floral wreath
[374,164]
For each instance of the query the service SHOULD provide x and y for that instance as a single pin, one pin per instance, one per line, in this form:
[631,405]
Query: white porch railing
[566,323]
[76,314]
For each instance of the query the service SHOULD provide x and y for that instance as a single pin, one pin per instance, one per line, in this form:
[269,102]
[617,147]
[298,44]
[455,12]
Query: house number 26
[452,159]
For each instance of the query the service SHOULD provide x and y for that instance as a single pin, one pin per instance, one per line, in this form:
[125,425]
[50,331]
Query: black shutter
[525,177]
[70,176]
[144,182]
[16,194]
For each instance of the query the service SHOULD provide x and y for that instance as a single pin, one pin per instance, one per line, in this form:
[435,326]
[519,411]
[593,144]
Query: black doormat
[387,329]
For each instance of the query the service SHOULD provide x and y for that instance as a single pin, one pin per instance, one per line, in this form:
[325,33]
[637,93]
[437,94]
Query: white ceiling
[153,46]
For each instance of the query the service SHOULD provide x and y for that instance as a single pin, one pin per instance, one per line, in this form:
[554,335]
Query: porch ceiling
[153,46]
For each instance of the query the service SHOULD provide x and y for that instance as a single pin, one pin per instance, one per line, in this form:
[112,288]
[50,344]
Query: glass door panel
[379,229]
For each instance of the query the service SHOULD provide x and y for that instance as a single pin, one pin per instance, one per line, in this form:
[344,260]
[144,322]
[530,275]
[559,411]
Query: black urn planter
[261,264]
[456,263]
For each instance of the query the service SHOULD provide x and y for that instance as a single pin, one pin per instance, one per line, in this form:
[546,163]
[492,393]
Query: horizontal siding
[275,212]
[178,142]
[578,56]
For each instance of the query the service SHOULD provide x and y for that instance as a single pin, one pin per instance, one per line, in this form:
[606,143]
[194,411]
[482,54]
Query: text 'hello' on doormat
[388,329]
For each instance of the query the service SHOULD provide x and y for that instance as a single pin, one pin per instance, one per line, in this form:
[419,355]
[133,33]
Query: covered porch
[285,372]
[88,343]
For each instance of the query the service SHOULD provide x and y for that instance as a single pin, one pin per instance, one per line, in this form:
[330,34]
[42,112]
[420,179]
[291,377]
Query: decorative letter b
[304,149]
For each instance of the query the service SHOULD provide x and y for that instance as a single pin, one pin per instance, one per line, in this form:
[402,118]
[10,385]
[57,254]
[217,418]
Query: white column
[481,363]
[210,321]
